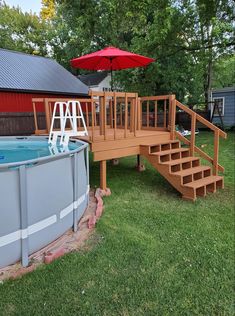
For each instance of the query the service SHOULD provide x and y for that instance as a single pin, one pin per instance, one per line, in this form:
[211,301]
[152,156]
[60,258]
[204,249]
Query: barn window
[218,103]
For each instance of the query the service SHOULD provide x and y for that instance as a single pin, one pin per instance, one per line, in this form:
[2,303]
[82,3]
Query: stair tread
[165,143]
[170,151]
[204,181]
[181,160]
[193,170]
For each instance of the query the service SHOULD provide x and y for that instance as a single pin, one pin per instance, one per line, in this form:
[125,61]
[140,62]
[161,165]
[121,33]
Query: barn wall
[16,112]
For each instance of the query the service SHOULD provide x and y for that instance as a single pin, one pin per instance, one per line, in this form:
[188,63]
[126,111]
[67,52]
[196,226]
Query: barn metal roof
[30,73]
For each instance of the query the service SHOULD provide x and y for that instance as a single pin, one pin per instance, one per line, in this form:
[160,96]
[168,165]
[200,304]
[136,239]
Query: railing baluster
[121,114]
[115,116]
[141,113]
[126,115]
[192,137]
[135,113]
[155,113]
[87,117]
[164,114]
[216,152]
[148,113]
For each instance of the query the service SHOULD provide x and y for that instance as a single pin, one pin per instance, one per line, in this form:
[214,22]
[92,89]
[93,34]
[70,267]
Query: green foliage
[22,31]
[224,72]
[188,39]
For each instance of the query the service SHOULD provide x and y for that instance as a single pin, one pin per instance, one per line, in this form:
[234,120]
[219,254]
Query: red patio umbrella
[110,58]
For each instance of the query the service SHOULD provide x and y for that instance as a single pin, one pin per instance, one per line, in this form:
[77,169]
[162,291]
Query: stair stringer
[187,193]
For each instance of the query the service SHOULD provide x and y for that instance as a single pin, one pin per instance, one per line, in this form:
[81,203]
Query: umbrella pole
[111,79]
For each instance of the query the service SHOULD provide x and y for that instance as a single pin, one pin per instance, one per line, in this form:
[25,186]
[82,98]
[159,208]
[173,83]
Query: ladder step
[204,181]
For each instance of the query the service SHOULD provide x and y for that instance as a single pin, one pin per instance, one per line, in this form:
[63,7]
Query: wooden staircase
[182,170]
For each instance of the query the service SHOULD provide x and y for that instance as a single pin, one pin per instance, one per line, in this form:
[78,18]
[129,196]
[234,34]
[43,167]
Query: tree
[48,9]
[22,31]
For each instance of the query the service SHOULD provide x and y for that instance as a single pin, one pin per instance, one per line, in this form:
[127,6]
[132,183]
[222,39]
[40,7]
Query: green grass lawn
[152,253]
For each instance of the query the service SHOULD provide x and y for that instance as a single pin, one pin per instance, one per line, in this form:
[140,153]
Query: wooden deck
[121,145]
[122,124]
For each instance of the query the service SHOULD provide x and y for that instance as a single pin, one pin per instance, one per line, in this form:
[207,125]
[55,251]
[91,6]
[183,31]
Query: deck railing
[119,115]
[154,112]
[191,142]
[47,104]
[116,111]
[169,111]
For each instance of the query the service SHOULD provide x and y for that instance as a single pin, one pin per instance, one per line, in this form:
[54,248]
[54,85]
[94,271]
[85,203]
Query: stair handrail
[191,142]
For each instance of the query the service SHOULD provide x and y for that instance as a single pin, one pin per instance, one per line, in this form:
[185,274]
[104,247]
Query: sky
[26,5]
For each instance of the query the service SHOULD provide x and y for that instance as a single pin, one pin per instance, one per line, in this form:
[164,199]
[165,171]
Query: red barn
[23,77]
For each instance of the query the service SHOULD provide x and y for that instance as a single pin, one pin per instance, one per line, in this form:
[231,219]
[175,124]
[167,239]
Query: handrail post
[192,137]
[216,152]
[172,116]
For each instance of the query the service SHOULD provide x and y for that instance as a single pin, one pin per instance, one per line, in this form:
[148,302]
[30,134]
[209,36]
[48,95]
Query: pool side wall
[40,201]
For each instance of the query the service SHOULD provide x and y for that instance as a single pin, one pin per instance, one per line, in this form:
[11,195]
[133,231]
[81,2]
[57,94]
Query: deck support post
[139,166]
[103,171]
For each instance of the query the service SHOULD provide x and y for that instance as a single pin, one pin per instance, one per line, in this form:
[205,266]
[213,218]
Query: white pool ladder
[71,111]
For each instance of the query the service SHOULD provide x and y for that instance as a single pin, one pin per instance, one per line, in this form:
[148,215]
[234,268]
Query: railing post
[47,114]
[92,119]
[192,137]
[139,114]
[216,152]
[172,116]
[104,116]
[35,118]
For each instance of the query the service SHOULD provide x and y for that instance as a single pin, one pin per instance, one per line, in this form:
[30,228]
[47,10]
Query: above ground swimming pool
[44,191]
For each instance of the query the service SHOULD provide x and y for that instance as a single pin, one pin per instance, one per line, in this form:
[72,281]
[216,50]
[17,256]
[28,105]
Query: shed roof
[93,79]
[29,73]
[226,89]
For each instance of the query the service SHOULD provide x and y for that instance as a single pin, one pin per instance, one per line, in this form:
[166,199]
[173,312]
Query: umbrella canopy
[110,58]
